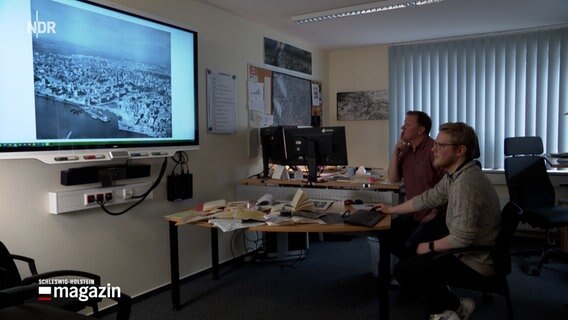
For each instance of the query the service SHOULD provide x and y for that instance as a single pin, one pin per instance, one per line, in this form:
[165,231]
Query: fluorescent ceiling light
[372,7]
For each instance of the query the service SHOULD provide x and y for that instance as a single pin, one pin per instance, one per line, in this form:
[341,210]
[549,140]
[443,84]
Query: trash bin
[374,249]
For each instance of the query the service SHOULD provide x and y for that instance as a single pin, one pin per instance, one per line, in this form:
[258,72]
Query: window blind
[503,86]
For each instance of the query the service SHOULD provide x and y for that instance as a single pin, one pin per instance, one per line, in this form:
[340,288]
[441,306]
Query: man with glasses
[472,218]
[413,162]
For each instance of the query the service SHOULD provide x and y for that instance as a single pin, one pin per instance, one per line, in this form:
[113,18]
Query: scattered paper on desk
[304,220]
[238,204]
[277,208]
[184,216]
[227,225]
[308,214]
[244,214]
[228,214]
[213,205]
[273,220]
[266,199]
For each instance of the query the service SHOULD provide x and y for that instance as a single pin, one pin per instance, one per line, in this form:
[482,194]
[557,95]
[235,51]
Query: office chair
[497,283]
[10,278]
[530,187]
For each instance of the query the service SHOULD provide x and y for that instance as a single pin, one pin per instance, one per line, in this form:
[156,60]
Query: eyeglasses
[438,145]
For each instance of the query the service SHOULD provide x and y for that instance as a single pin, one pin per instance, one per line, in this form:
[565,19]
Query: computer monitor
[313,147]
[273,149]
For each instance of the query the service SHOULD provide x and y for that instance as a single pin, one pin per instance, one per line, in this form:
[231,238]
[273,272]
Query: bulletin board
[276,98]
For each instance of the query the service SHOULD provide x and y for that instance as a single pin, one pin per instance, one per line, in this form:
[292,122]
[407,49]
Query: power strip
[76,200]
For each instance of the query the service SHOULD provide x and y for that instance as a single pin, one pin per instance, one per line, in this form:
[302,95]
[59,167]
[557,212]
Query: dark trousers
[430,277]
[406,234]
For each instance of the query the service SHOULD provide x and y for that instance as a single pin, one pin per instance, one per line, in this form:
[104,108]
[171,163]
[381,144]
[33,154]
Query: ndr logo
[36,27]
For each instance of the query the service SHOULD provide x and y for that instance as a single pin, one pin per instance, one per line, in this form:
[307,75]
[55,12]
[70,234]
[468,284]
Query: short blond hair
[462,134]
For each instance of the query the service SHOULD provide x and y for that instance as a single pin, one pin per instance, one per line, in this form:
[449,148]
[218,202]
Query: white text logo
[38,26]
[82,293]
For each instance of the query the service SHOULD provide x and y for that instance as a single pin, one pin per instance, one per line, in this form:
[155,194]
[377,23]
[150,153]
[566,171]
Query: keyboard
[559,155]
[365,218]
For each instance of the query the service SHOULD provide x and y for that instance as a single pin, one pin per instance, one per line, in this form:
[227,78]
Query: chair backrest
[525,172]
[510,217]
[9,274]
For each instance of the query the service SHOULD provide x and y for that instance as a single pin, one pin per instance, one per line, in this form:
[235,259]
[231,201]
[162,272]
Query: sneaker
[446,315]
[467,305]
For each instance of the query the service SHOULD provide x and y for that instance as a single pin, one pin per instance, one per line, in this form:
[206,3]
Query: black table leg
[384,275]
[215,253]
[174,264]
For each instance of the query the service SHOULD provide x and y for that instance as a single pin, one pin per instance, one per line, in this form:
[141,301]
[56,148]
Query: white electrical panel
[75,200]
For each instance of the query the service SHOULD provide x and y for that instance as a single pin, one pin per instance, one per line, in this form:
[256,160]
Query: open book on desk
[277,220]
[302,202]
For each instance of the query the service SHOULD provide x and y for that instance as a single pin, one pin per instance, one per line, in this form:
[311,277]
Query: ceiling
[447,19]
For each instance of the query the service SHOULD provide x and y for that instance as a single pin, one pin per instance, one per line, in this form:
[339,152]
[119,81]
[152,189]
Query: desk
[381,229]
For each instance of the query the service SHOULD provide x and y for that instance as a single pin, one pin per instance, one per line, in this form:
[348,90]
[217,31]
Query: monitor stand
[282,246]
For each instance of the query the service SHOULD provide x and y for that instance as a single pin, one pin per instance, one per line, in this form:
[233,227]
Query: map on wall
[291,99]
[363,105]
[282,55]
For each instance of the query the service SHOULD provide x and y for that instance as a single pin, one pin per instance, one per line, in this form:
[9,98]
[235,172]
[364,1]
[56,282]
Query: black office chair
[530,187]
[500,253]
[13,285]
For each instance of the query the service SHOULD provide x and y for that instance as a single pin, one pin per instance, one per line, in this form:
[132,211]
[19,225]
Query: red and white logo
[44,294]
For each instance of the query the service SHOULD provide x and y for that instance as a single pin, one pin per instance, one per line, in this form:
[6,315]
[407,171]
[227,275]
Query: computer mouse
[348,202]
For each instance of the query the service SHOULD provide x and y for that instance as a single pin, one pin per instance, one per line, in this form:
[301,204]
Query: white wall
[131,251]
[360,69]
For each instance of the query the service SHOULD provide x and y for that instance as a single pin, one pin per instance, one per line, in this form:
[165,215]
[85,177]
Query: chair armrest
[29,261]
[62,273]
[489,249]
[16,295]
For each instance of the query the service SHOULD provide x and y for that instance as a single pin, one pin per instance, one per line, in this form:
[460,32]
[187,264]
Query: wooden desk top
[355,184]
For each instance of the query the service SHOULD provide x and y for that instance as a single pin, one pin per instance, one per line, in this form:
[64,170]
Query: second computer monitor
[313,147]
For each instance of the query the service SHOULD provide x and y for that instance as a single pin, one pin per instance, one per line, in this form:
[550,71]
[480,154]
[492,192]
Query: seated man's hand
[422,248]
[382,207]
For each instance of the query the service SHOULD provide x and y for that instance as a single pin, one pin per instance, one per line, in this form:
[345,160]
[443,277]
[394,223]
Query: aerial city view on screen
[100,77]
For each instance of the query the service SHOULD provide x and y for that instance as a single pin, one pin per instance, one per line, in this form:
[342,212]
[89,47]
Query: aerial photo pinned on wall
[291,100]
[96,87]
[282,55]
[363,105]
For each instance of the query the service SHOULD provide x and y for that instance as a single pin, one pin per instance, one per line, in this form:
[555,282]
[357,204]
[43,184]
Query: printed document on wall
[221,102]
